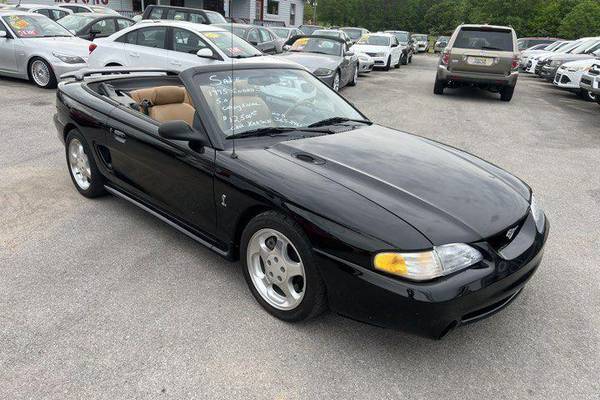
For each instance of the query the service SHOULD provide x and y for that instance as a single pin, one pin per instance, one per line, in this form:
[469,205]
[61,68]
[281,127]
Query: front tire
[41,73]
[389,64]
[354,77]
[336,82]
[506,93]
[398,63]
[280,268]
[404,59]
[82,168]
[587,95]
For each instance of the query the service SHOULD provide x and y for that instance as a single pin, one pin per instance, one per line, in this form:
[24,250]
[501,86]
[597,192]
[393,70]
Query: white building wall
[114,4]
[284,12]
[241,8]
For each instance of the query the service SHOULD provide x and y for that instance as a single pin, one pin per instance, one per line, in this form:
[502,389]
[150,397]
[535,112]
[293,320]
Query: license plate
[480,60]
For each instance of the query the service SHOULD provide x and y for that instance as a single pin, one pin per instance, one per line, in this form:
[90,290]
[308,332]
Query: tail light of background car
[515,62]
[92,47]
[446,57]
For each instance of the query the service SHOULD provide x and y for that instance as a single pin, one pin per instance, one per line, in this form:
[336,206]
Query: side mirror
[349,54]
[287,47]
[205,53]
[394,45]
[3,34]
[253,42]
[180,130]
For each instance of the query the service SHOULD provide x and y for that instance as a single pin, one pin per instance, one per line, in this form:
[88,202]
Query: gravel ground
[100,300]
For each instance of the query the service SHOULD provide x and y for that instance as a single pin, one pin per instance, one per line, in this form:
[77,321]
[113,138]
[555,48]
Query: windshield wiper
[246,56]
[490,48]
[338,120]
[269,131]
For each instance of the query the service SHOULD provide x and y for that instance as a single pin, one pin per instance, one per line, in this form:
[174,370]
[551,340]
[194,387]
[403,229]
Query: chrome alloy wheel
[40,73]
[276,269]
[79,164]
[336,82]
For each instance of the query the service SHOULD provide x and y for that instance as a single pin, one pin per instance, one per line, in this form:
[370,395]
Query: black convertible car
[263,162]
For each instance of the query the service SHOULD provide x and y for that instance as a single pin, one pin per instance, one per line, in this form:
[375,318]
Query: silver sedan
[35,48]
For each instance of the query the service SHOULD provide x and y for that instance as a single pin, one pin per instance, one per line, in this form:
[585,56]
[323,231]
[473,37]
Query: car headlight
[421,266]
[69,59]
[363,57]
[538,214]
[583,68]
[556,63]
[323,72]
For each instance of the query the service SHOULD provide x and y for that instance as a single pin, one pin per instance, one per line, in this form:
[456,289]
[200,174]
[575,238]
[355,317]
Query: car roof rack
[86,72]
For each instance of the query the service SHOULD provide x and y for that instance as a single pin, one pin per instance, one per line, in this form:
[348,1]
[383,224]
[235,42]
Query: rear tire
[439,86]
[266,267]
[354,77]
[398,63]
[506,93]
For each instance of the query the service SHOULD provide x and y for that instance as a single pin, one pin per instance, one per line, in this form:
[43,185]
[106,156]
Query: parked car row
[565,63]
[173,38]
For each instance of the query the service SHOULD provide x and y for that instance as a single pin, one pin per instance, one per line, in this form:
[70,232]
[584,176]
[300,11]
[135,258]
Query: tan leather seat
[167,103]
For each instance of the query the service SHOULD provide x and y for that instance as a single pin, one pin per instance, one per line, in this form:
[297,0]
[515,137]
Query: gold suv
[485,56]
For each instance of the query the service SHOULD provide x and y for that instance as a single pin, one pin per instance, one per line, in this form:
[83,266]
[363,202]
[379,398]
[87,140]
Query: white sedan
[384,48]
[173,45]
[568,76]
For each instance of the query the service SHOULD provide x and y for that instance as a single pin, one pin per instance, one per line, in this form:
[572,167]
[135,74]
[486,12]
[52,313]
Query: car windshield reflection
[249,100]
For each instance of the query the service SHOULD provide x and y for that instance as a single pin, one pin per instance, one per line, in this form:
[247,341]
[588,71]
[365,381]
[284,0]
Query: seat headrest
[160,95]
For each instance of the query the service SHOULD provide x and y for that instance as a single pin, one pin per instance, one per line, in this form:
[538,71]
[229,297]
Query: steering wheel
[297,104]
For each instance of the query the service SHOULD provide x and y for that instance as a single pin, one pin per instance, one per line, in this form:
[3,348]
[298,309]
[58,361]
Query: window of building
[292,14]
[273,7]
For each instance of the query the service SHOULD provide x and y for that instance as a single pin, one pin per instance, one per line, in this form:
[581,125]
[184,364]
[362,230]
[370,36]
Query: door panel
[8,57]
[168,175]
[150,49]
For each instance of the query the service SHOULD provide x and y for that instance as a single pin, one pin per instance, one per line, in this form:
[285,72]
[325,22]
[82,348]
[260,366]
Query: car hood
[588,62]
[446,194]
[571,57]
[367,48]
[68,45]
[313,61]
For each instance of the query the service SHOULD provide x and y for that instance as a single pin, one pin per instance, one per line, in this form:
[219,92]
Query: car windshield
[420,38]
[34,26]
[317,45]
[281,32]
[374,40]
[570,46]
[75,22]
[323,32]
[248,100]
[215,18]
[484,39]
[584,47]
[308,30]
[232,45]
[401,36]
[354,33]
[443,39]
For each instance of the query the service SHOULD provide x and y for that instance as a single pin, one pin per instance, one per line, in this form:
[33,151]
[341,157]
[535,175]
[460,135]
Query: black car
[92,26]
[183,14]
[327,57]
[261,162]
[258,36]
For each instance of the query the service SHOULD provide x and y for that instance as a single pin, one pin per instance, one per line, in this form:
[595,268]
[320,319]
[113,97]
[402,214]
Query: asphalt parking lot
[101,300]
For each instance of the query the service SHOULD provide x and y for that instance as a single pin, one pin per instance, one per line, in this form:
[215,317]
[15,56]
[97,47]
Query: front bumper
[365,66]
[434,308]
[63,68]
[548,72]
[567,79]
[591,83]
[477,77]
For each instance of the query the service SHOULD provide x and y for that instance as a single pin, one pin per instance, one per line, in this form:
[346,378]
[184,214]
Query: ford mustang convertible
[264,163]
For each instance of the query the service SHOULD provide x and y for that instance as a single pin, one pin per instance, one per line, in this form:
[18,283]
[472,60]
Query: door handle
[119,136]
[134,54]
[177,63]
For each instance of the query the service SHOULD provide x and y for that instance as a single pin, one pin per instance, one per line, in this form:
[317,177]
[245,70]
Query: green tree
[583,20]
[443,17]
